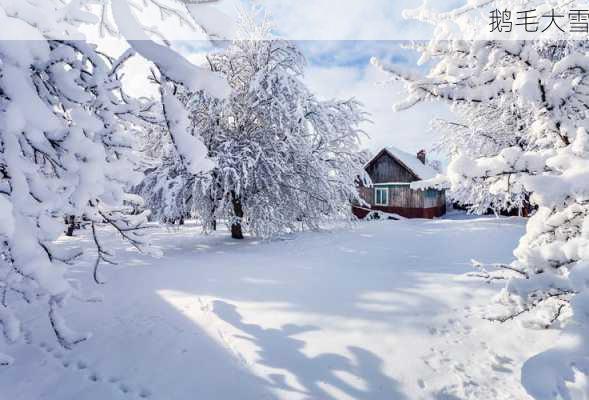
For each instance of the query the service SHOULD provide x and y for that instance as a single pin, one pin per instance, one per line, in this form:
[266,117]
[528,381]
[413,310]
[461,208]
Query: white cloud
[348,19]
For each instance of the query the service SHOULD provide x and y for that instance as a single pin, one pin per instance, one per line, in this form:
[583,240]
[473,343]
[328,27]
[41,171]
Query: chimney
[421,156]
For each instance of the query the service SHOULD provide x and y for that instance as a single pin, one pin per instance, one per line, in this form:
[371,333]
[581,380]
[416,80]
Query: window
[381,196]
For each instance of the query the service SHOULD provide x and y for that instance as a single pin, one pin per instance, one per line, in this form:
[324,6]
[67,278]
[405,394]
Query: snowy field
[374,311]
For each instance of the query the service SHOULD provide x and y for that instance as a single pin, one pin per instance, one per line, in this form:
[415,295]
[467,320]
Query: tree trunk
[71,221]
[236,232]
[213,200]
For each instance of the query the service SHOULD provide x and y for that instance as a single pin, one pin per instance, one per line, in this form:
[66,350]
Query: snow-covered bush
[67,147]
[547,156]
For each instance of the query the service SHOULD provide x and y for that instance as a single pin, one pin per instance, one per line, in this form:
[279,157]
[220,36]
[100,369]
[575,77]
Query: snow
[412,162]
[9,324]
[437,182]
[6,218]
[216,24]
[378,310]
[526,84]
[173,65]
[191,149]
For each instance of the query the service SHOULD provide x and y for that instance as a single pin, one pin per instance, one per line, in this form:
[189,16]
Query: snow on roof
[412,162]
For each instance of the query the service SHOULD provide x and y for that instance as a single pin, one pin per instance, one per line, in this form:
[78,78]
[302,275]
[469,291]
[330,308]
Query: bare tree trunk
[71,221]
[236,231]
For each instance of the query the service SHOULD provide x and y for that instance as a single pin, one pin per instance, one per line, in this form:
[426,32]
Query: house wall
[386,169]
[404,196]
[406,202]
[367,194]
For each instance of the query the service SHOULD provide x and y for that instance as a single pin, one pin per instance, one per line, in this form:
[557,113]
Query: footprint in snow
[94,377]
[503,359]
[459,367]
[81,365]
[123,387]
[501,363]
[128,390]
[28,337]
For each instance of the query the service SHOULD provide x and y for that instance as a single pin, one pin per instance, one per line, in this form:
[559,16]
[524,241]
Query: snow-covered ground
[374,311]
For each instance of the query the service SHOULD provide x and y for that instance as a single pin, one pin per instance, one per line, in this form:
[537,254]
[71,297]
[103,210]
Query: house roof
[409,161]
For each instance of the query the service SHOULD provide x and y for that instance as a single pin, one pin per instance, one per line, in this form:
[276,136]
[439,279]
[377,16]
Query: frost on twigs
[546,308]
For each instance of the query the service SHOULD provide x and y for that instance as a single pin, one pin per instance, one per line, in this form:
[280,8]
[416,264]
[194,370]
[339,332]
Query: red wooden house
[392,172]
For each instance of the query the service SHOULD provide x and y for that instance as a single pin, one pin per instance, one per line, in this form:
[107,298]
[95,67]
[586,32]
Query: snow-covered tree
[67,147]
[285,160]
[548,157]
[66,142]
[483,130]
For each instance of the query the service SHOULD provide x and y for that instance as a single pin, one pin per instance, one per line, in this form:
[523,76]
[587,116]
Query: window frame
[381,190]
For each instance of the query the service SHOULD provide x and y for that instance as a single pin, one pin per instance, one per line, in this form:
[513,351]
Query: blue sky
[355,53]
